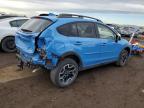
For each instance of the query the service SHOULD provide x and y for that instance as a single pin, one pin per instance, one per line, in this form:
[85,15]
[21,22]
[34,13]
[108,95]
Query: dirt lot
[7,59]
[102,87]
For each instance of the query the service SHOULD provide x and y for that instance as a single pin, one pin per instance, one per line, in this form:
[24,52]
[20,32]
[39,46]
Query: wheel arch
[6,37]
[73,56]
[1,44]
[128,49]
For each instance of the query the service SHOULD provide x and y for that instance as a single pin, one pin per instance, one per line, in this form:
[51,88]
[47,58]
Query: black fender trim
[73,54]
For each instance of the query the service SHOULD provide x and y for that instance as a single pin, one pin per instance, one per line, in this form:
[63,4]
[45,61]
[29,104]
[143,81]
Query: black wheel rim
[67,74]
[10,44]
[124,57]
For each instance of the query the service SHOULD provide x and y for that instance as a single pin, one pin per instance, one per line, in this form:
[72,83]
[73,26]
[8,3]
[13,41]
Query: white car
[8,28]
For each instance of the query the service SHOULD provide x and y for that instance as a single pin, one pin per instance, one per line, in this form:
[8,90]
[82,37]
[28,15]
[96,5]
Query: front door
[109,46]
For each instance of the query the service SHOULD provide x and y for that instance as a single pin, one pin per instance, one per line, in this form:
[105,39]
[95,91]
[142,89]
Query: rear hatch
[26,36]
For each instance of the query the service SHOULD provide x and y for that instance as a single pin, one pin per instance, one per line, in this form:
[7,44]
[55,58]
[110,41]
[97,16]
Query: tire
[123,58]
[8,44]
[62,75]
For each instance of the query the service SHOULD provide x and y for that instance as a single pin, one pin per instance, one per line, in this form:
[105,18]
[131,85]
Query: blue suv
[67,44]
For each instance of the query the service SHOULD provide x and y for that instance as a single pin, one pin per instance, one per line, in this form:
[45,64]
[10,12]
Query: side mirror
[118,37]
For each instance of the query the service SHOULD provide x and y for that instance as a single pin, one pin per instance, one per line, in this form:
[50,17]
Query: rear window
[35,25]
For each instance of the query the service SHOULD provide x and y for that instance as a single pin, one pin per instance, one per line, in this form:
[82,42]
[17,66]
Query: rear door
[109,47]
[82,36]
[89,43]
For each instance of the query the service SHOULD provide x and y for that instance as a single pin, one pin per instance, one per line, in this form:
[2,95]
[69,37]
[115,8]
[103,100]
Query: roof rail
[78,16]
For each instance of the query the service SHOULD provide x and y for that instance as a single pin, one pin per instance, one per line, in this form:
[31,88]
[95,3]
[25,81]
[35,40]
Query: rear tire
[8,44]
[65,73]
[123,58]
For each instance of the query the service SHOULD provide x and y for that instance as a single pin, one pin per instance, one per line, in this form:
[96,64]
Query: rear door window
[68,29]
[36,25]
[86,29]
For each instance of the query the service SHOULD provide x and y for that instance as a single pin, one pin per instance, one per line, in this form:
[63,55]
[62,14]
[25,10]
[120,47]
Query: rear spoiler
[50,14]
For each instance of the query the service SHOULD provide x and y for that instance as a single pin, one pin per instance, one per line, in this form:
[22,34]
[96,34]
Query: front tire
[123,58]
[65,73]
[8,44]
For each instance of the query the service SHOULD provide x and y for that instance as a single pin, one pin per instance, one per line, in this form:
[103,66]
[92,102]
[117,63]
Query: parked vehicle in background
[137,44]
[141,30]
[67,44]
[4,16]
[128,30]
[8,28]
[142,33]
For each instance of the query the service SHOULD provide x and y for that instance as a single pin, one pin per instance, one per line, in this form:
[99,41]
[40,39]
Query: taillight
[42,53]
[41,48]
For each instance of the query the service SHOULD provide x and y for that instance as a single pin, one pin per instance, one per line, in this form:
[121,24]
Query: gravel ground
[102,87]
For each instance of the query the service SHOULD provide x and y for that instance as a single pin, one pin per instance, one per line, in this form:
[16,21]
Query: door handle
[78,43]
[103,44]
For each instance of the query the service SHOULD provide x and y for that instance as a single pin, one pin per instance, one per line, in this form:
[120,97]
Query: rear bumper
[34,61]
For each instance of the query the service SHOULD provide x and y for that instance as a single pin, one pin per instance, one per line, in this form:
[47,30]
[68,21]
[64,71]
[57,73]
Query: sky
[110,11]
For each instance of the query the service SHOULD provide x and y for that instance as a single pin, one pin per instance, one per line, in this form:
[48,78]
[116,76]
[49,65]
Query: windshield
[35,25]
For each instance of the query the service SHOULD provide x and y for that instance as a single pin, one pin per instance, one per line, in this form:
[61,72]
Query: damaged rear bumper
[34,61]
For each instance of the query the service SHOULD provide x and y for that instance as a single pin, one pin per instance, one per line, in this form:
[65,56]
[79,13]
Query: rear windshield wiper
[26,30]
